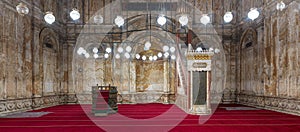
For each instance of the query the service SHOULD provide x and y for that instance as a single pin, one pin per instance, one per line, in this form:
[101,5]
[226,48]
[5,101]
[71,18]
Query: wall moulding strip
[280,104]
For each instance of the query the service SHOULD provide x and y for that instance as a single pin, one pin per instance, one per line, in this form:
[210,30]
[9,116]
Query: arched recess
[129,34]
[134,76]
[49,61]
[248,62]
[89,72]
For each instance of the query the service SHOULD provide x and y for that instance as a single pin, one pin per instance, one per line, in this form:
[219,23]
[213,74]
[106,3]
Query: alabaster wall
[269,59]
[136,81]
[30,72]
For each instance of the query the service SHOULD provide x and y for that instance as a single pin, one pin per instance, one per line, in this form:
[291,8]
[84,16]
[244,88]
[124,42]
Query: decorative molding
[10,106]
[71,99]
[134,98]
[84,98]
[229,96]
[285,105]
[19,105]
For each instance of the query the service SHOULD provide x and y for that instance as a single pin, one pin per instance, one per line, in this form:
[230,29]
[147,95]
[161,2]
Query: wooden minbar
[104,100]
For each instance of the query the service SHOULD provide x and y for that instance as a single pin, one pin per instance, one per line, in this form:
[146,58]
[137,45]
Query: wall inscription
[199,65]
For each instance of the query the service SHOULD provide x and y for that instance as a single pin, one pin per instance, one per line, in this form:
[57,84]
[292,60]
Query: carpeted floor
[153,118]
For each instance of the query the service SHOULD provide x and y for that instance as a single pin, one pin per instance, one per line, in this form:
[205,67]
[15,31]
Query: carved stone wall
[29,59]
[269,59]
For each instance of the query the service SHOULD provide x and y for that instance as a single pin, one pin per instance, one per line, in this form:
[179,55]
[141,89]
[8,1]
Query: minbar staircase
[181,67]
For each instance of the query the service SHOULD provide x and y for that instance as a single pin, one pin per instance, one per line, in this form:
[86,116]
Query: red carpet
[151,117]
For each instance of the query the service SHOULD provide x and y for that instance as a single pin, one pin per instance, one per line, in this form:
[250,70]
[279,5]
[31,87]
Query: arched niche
[49,61]
[248,65]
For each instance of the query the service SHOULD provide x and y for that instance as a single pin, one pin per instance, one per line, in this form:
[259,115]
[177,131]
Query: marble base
[285,105]
[200,110]
[142,97]
[26,104]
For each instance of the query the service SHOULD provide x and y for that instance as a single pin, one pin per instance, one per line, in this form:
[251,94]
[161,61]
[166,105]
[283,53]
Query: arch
[247,55]
[172,26]
[49,35]
[250,32]
[48,52]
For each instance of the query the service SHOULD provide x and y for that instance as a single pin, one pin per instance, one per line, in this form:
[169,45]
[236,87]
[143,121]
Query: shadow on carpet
[240,108]
[26,115]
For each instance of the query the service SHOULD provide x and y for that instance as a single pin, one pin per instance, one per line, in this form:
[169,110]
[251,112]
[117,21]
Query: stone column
[2,70]
[132,77]
[208,91]
[36,58]
[9,32]
[260,44]
[37,76]
[71,87]
[166,76]
[190,89]
[2,57]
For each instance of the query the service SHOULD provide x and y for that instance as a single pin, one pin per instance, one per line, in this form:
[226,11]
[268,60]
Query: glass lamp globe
[106,55]
[166,55]
[137,56]
[49,17]
[205,19]
[80,50]
[98,19]
[183,20]
[253,14]
[161,20]
[128,48]
[95,50]
[22,9]
[147,44]
[199,49]
[87,55]
[166,48]
[74,14]
[145,48]
[155,57]
[159,54]
[119,21]
[173,57]
[217,50]
[118,56]
[108,50]
[120,49]
[127,55]
[280,6]
[144,58]
[228,17]
[172,49]
[96,56]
